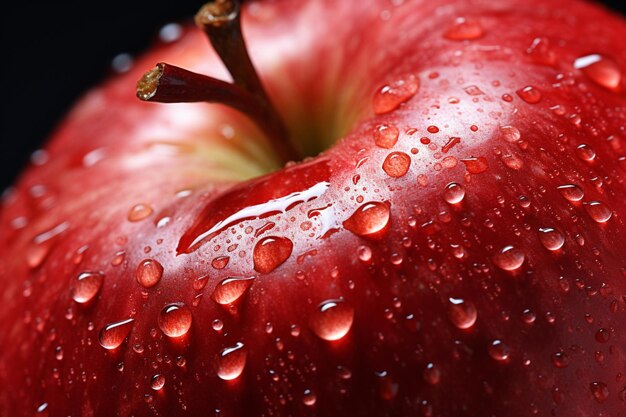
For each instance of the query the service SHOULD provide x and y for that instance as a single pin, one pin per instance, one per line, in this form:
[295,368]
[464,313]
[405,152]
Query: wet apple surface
[456,249]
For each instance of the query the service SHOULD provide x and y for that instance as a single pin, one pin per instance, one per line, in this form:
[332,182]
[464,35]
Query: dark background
[51,53]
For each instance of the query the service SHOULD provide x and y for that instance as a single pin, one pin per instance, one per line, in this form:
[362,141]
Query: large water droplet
[585,152]
[454,193]
[231,289]
[600,391]
[86,286]
[231,362]
[551,238]
[386,136]
[396,164]
[598,211]
[476,165]
[113,334]
[149,273]
[139,212]
[571,192]
[220,262]
[510,133]
[157,382]
[391,95]
[175,320]
[369,220]
[509,258]
[462,314]
[464,29]
[600,69]
[530,94]
[270,252]
[332,320]
[309,398]
[499,351]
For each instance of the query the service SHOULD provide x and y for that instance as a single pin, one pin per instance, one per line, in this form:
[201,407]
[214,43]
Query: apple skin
[548,337]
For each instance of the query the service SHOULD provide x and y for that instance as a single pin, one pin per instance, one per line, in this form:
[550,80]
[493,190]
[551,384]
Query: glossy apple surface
[460,250]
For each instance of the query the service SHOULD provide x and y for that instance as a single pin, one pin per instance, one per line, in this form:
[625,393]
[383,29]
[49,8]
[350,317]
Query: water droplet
[270,252]
[86,286]
[560,359]
[528,316]
[175,320]
[598,211]
[309,398]
[157,382]
[530,94]
[585,152]
[220,262]
[432,374]
[432,129]
[217,325]
[149,273]
[462,314]
[510,133]
[139,212]
[603,335]
[600,69]
[464,29]
[551,238]
[476,165]
[541,52]
[499,351]
[396,164]
[369,220]
[113,334]
[454,193]
[332,320]
[231,362]
[509,258]
[451,143]
[170,32]
[391,95]
[364,253]
[122,63]
[231,289]
[600,391]
[386,136]
[571,192]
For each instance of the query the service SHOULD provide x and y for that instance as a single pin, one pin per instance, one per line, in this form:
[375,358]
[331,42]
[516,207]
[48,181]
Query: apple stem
[167,83]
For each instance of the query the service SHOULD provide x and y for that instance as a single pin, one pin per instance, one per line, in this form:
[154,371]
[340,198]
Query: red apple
[457,249]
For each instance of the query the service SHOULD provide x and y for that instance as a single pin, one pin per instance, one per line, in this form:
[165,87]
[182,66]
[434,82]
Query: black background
[52,53]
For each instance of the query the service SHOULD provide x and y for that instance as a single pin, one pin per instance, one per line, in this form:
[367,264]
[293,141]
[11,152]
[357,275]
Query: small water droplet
[139,212]
[509,258]
[175,320]
[600,391]
[270,252]
[113,334]
[369,220]
[432,129]
[309,398]
[86,286]
[603,335]
[541,52]
[454,193]
[386,136]
[149,273]
[364,253]
[332,320]
[390,96]
[157,382]
[231,289]
[432,374]
[464,29]
[551,238]
[530,94]
[600,69]
[476,165]
[571,192]
[170,32]
[217,325]
[560,359]
[122,63]
[510,133]
[396,164]
[499,351]
[462,314]
[231,362]
[598,211]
